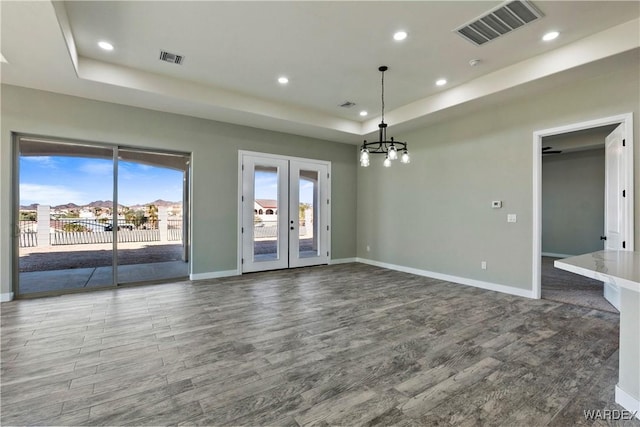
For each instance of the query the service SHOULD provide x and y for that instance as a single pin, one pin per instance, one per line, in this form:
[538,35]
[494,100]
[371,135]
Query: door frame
[242,153]
[625,119]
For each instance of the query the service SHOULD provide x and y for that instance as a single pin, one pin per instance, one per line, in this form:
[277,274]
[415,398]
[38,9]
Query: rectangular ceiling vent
[348,104]
[499,21]
[171,57]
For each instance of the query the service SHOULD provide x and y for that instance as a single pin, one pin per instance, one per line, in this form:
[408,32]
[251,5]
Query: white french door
[285,212]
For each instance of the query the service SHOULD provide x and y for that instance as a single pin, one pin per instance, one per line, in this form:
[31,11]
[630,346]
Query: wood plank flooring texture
[346,344]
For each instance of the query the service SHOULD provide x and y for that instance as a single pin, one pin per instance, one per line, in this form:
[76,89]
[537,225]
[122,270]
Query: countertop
[619,267]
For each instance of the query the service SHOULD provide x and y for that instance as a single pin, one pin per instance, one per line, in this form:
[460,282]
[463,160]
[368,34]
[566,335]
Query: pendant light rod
[382,69]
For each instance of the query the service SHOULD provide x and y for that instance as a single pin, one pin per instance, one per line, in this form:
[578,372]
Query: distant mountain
[100,204]
[67,206]
[158,202]
[161,202]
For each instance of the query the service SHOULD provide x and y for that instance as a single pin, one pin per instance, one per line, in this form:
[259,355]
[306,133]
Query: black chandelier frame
[383,145]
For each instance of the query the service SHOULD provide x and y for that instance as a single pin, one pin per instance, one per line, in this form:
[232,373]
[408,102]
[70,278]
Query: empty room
[317,212]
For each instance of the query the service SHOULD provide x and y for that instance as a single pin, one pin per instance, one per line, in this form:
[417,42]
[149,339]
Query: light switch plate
[512,218]
[496,204]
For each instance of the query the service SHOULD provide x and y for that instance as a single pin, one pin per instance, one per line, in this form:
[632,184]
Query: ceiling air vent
[171,57]
[348,104]
[499,21]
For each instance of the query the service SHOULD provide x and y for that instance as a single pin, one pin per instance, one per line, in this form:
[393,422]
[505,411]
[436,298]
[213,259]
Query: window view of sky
[57,180]
[266,187]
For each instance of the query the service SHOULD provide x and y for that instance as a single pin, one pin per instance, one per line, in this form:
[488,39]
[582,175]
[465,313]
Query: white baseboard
[628,402]
[6,297]
[342,260]
[455,279]
[213,275]
[555,255]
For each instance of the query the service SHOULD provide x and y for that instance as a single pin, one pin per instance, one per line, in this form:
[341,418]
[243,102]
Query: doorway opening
[284,212]
[97,216]
[583,202]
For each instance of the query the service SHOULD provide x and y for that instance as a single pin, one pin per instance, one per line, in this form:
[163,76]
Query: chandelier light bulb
[405,157]
[393,153]
[364,157]
[387,162]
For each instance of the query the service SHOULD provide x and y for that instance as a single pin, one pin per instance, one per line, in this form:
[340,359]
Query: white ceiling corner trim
[65,27]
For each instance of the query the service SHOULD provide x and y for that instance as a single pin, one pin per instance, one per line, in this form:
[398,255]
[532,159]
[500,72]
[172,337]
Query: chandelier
[389,148]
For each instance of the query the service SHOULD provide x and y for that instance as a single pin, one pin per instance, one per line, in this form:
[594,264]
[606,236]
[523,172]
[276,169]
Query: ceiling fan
[547,150]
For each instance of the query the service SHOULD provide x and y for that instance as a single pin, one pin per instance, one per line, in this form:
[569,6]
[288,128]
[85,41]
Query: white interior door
[285,212]
[614,183]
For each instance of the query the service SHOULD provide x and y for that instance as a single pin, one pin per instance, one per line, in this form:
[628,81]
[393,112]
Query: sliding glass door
[92,216]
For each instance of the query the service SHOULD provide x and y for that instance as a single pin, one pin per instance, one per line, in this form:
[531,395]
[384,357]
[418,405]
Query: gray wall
[214,146]
[435,214]
[573,202]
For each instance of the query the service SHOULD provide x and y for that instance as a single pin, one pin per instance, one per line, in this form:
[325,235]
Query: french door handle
[603,237]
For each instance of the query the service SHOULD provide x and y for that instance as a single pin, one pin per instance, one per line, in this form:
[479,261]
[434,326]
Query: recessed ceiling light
[363,113]
[550,36]
[400,35]
[283,80]
[105,45]
[441,82]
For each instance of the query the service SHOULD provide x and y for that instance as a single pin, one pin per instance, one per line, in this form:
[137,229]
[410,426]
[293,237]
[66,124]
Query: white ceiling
[234,51]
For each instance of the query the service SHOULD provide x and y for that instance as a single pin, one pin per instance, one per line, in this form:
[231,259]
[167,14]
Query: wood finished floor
[346,344]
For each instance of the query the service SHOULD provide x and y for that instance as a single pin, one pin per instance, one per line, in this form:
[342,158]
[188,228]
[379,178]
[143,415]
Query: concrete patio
[72,267]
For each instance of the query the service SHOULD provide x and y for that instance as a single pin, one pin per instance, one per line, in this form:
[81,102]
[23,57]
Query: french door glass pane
[308,214]
[265,207]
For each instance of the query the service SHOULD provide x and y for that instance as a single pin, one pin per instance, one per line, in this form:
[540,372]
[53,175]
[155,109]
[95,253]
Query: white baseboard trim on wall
[6,297]
[213,275]
[342,261]
[627,401]
[555,255]
[455,279]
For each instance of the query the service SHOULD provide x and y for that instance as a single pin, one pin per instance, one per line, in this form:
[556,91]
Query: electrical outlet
[483,265]
[512,218]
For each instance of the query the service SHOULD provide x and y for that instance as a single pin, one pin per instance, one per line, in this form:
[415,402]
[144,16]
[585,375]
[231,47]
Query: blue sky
[57,180]
[266,184]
